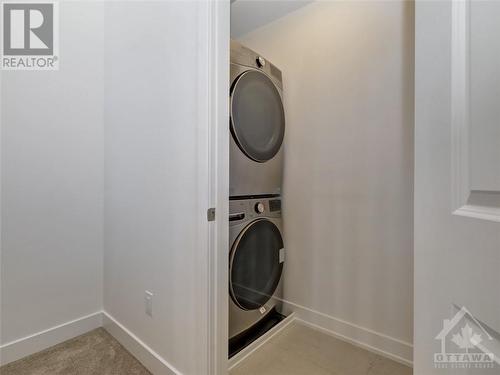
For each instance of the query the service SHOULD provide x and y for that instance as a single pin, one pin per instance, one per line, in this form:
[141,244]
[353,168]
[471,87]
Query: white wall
[52,182]
[152,186]
[348,82]
[105,173]
[247,16]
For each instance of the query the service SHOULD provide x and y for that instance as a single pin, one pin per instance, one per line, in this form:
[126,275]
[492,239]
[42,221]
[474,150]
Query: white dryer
[257,122]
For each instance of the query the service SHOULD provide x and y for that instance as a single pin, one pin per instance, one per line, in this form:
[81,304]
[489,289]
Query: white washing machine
[256,260]
[257,122]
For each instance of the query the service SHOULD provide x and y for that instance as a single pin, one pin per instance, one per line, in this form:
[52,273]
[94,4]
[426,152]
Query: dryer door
[255,264]
[257,115]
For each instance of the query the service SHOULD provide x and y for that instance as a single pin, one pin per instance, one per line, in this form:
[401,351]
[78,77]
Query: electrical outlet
[148,303]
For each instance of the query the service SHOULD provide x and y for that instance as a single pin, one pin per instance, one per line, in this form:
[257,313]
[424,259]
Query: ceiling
[248,15]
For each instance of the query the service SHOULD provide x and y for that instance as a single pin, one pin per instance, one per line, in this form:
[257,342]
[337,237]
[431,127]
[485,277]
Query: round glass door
[257,116]
[255,267]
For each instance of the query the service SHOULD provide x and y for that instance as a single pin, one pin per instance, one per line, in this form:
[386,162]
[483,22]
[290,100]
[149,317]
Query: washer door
[255,264]
[257,116]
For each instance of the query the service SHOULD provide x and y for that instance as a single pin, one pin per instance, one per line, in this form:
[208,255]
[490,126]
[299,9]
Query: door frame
[213,159]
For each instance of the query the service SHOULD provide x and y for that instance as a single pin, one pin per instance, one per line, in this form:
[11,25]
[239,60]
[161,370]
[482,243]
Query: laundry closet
[229,187]
[321,176]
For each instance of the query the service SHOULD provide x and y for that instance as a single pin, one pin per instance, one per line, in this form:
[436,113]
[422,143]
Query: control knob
[259,207]
[260,62]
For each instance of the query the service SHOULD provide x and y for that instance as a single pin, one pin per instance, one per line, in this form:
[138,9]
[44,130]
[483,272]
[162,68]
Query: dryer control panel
[242,55]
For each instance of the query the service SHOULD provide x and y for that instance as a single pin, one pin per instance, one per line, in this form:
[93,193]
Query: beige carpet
[95,353]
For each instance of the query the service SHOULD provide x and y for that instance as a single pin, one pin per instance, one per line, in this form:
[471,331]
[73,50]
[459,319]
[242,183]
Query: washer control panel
[247,209]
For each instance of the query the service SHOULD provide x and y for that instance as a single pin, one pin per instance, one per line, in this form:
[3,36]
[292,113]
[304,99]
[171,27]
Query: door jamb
[215,37]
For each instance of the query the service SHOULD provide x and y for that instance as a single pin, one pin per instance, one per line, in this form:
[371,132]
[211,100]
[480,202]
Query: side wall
[154,211]
[52,190]
[348,188]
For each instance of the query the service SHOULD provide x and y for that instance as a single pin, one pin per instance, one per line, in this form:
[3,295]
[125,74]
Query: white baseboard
[384,345]
[12,351]
[389,347]
[147,356]
[26,346]
[245,353]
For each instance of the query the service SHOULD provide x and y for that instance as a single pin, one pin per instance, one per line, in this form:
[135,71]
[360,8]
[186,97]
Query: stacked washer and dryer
[256,253]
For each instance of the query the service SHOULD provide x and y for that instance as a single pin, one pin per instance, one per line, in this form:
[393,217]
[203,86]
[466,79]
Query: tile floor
[300,350]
